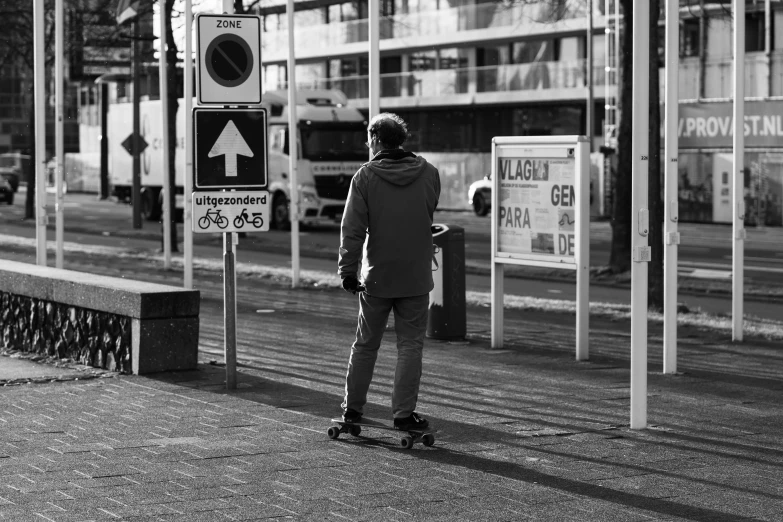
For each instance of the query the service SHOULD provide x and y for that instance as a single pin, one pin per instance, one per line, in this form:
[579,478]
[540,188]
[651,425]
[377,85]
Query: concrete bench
[107,322]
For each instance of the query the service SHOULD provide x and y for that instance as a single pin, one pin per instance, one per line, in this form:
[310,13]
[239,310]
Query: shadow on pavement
[325,405]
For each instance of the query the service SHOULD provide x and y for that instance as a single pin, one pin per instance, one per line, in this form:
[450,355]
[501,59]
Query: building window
[274,77]
[754,32]
[689,38]
[424,61]
[452,58]
[310,75]
[310,17]
[492,56]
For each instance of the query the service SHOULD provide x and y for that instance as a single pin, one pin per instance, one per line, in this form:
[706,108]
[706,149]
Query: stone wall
[98,339]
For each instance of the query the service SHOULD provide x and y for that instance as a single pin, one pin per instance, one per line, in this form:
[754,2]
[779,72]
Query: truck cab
[330,149]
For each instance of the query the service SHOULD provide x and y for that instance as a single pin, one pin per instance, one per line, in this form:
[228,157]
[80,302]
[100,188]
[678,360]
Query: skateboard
[425,436]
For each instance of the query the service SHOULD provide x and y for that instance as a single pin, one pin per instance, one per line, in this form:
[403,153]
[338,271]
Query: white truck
[331,139]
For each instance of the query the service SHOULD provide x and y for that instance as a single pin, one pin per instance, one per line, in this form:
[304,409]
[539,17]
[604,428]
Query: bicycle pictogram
[257,220]
[212,216]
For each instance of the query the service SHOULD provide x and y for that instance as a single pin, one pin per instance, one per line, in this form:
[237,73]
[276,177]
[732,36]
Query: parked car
[6,191]
[480,195]
[14,167]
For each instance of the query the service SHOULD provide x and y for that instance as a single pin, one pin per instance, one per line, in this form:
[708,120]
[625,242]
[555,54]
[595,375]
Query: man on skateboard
[390,203]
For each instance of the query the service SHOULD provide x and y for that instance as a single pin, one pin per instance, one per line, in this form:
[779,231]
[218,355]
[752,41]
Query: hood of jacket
[398,166]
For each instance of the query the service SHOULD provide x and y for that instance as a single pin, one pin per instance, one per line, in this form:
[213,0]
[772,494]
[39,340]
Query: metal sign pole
[59,148]
[229,312]
[229,290]
[293,148]
[164,107]
[136,191]
[496,312]
[582,245]
[738,179]
[40,133]
[670,204]
[187,229]
[640,213]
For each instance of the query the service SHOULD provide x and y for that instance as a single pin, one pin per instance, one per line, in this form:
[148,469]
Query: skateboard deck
[410,437]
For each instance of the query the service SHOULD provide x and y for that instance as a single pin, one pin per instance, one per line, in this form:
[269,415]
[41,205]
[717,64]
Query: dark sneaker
[414,422]
[352,416]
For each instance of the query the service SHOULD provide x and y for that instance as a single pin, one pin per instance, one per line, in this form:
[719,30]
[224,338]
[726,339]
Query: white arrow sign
[230,143]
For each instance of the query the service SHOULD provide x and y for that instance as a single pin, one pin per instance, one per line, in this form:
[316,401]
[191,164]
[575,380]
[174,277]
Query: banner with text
[710,125]
[536,203]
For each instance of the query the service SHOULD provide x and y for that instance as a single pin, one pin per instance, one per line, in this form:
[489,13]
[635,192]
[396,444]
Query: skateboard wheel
[333,432]
[428,439]
[355,430]
[406,442]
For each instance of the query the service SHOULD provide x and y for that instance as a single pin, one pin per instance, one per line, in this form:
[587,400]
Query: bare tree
[654,184]
[167,10]
[16,50]
[620,255]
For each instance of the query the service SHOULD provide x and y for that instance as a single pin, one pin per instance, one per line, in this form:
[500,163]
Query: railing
[427,23]
[718,77]
[536,76]
[498,78]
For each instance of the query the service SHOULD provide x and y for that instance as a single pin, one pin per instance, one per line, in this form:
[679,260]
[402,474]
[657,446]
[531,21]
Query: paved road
[90,221]
[704,247]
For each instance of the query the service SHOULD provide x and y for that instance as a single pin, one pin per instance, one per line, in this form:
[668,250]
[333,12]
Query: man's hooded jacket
[391,202]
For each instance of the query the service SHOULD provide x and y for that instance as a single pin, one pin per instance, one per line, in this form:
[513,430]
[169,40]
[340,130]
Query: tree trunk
[173,105]
[103,89]
[655,239]
[29,207]
[238,7]
[702,50]
[620,257]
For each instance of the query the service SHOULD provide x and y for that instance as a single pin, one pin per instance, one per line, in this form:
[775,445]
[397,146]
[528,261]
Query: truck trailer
[330,139]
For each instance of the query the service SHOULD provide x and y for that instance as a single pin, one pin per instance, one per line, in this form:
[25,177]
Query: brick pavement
[526,433]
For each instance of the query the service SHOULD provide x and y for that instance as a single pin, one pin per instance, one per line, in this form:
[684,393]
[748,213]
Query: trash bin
[447,316]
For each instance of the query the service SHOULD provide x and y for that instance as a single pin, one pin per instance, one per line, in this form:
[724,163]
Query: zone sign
[229,59]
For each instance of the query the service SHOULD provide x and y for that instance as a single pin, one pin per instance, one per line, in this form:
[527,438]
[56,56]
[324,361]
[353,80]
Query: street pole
[590,98]
[229,289]
[374,61]
[136,193]
[671,205]
[39,92]
[738,179]
[164,107]
[293,148]
[229,312]
[59,148]
[640,252]
[188,185]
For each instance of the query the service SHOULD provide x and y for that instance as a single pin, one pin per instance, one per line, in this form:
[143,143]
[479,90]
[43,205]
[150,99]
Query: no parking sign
[229,59]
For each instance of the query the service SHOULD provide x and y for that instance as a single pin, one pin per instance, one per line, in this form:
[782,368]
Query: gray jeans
[410,324]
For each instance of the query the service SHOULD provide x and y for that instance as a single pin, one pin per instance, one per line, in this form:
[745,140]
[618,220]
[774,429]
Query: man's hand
[351,285]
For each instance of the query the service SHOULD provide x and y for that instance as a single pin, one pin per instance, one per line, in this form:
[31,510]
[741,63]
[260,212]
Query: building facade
[459,72]
[463,71]
[706,123]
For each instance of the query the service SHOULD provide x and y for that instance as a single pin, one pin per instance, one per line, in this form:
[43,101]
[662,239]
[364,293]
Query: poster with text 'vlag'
[536,215]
